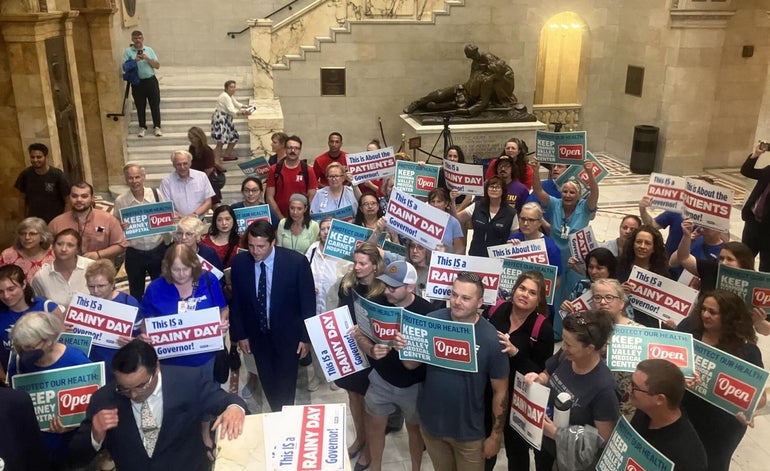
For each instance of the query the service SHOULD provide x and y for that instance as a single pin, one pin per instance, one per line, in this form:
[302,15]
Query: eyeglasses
[251,190]
[635,388]
[370,203]
[607,298]
[333,177]
[136,389]
[295,148]
[29,233]
[99,287]
[528,220]
[494,187]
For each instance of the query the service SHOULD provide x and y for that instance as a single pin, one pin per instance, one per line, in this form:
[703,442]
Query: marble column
[268,117]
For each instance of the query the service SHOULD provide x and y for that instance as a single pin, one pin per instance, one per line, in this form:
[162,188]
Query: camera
[140,52]
[764,146]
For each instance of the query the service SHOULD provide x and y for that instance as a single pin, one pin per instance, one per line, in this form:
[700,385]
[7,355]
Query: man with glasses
[656,389]
[150,417]
[289,176]
[190,190]
[516,193]
[144,254]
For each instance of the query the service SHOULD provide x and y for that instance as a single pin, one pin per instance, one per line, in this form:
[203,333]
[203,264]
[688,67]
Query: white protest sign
[207,266]
[708,205]
[371,165]
[337,351]
[444,268]
[666,192]
[583,303]
[416,220]
[528,250]
[308,438]
[581,242]
[185,334]
[528,405]
[659,296]
[468,179]
[102,320]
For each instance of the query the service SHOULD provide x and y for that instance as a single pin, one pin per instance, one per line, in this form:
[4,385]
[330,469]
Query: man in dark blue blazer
[756,209]
[274,333]
[21,441]
[178,399]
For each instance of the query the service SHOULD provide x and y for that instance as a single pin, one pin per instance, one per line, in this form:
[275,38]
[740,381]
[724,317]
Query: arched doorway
[563,42]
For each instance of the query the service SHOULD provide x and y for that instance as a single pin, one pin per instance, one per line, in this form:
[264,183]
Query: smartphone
[764,146]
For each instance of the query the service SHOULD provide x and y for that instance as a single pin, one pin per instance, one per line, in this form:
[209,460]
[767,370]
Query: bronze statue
[490,85]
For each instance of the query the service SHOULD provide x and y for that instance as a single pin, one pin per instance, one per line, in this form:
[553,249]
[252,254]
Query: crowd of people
[276,276]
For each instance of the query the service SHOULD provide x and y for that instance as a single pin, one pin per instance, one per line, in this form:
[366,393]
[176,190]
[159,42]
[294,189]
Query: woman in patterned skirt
[222,127]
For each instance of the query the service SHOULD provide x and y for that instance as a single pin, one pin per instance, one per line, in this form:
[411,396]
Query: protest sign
[416,220]
[371,165]
[337,351]
[343,239]
[305,438]
[581,242]
[61,392]
[102,320]
[752,286]
[148,219]
[256,167]
[207,266]
[627,450]
[187,333]
[666,192]
[567,148]
[659,296]
[80,341]
[345,213]
[630,345]
[379,323]
[415,179]
[391,247]
[437,342]
[513,268]
[444,268]
[708,205]
[246,215]
[577,171]
[583,303]
[528,406]
[726,381]
[468,179]
[528,250]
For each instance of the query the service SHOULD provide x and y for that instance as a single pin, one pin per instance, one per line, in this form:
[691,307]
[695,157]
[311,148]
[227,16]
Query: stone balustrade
[568,113]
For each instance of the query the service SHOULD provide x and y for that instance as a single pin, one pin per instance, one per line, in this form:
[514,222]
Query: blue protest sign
[148,219]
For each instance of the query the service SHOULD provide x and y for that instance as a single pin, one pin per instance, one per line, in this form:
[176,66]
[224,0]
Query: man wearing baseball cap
[393,387]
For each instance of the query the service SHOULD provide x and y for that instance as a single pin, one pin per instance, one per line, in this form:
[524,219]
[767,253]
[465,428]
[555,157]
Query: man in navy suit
[756,210]
[150,417]
[267,314]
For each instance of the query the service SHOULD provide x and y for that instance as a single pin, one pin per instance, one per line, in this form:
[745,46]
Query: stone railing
[701,14]
[568,114]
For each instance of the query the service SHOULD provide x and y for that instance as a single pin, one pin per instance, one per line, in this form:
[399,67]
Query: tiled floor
[619,195]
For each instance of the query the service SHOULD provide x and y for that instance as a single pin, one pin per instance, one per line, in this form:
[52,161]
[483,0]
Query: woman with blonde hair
[189,231]
[31,247]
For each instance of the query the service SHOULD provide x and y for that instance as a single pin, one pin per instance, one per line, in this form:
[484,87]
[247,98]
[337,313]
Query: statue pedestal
[482,140]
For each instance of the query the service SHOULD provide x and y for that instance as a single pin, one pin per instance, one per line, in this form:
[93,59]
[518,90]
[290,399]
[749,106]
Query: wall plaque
[332,81]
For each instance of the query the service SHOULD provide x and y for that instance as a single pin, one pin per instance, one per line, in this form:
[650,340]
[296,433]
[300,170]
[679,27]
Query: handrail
[233,34]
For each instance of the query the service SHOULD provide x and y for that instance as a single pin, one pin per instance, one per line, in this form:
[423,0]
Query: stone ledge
[700,19]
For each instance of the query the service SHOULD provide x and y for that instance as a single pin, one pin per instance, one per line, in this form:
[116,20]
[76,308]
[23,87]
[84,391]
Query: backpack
[303,168]
[535,329]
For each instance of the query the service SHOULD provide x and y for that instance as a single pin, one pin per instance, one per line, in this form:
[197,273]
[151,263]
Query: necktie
[149,429]
[759,206]
[262,299]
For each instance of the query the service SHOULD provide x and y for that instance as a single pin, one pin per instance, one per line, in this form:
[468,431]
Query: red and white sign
[416,220]
[187,333]
[452,349]
[444,268]
[528,405]
[468,179]
[708,205]
[673,353]
[581,242]
[207,266]
[659,296]
[102,320]
[732,390]
[528,250]
[666,192]
[75,401]
[371,165]
[337,351]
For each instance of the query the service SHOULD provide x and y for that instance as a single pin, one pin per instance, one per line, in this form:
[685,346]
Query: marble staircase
[188,98]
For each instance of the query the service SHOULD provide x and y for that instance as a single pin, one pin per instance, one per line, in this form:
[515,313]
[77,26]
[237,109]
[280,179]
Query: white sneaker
[313,384]
[158,132]
[142,132]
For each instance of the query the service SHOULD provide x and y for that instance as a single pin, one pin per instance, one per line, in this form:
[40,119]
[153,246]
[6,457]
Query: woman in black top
[644,249]
[492,218]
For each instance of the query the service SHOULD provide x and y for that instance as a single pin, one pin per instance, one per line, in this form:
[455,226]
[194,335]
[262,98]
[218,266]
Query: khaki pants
[448,454]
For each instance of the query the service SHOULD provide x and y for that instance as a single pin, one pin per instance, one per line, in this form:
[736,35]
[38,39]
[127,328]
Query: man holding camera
[756,210]
[147,90]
